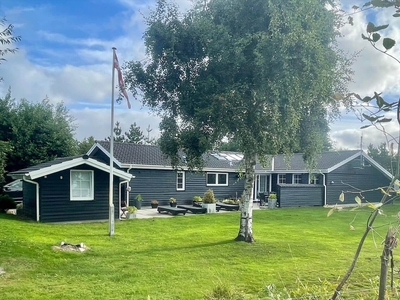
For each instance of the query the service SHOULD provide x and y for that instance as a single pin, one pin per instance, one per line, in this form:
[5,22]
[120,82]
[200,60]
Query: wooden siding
[29,199]
[350,177]
[161,185]
[55,203]
[294,195]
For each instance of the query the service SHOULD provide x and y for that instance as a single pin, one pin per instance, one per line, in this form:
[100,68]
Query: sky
[66,55]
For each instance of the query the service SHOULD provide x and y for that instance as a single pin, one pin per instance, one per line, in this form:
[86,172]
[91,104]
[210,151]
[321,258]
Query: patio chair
[124,209]
[261,197]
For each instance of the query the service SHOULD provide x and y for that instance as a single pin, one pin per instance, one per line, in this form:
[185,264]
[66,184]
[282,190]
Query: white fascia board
[102,149]
[158,167]
[378,166]
[76,162]
[333,168]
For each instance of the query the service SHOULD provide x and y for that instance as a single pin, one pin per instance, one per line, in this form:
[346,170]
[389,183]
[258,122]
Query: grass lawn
[187,257]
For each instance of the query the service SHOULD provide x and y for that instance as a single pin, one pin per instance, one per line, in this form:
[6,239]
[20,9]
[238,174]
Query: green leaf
[358,200]
[384,192]
[369,118]
[365,37]
[370,27]
[367,4]
[355,7]
[330,212]
[376,37]
[377,28]
[366,99]
[396,15]
[388,43]
[384,120]
[365,126]
[341,197]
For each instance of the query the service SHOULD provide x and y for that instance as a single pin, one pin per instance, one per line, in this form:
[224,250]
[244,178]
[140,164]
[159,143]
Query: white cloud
[374,72]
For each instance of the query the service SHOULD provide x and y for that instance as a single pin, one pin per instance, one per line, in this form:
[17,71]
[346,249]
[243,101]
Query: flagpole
[111,186]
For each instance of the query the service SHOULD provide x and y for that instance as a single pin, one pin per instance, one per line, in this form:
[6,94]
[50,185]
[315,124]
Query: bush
[197,199]
[6,202]
[209,197]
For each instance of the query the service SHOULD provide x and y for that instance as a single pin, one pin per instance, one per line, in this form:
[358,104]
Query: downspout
[270,176]
[324,183]
[37,196]
[128,188]
[119,197]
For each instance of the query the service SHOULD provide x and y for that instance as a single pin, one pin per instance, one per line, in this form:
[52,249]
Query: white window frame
[217,179]
[294,178]
[315,179]
[91,194]
[183,181]
[279,176]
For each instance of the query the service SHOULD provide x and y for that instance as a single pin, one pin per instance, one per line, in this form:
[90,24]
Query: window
[297,178]
[180,181]
[217,179]
[82,185]
[281,178]
[314,179]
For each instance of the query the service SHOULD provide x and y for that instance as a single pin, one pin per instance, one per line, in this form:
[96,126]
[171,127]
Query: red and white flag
[121,83]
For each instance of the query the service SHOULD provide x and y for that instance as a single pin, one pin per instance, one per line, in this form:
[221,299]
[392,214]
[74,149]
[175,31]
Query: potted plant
[272,198]
[209,201]
[197,201]
[138,201]
[154,203]
[131,213]
[172,202]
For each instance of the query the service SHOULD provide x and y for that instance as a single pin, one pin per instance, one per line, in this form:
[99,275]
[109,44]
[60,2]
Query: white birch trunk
[246,210]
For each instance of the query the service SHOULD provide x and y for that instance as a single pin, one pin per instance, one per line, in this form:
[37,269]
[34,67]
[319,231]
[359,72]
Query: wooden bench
[194,209]
[173,210]
[227,206]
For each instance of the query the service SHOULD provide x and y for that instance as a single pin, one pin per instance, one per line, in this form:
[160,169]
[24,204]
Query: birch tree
[254,70]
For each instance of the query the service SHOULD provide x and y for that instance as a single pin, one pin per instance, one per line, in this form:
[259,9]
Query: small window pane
[222,179]
[211,178]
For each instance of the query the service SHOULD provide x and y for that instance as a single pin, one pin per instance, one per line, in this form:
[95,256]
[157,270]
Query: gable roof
[127,155]
[64,163]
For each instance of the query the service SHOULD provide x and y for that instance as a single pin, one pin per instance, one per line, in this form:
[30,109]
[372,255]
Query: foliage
[154,201]
[383,156]
[209,197]
[132,209]
[272,196]
[85,145]
[7,202]
[231,201]
[197,199]
[36,131]
[172,200]
[134,135]
[7,38]
[4,150]
[139,197]
[254,70]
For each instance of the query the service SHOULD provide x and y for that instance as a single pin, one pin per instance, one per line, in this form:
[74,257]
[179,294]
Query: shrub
[6,202]
[209,197]
[197,199]
[272,196]
[132,209]
[172,200]
[154,201]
